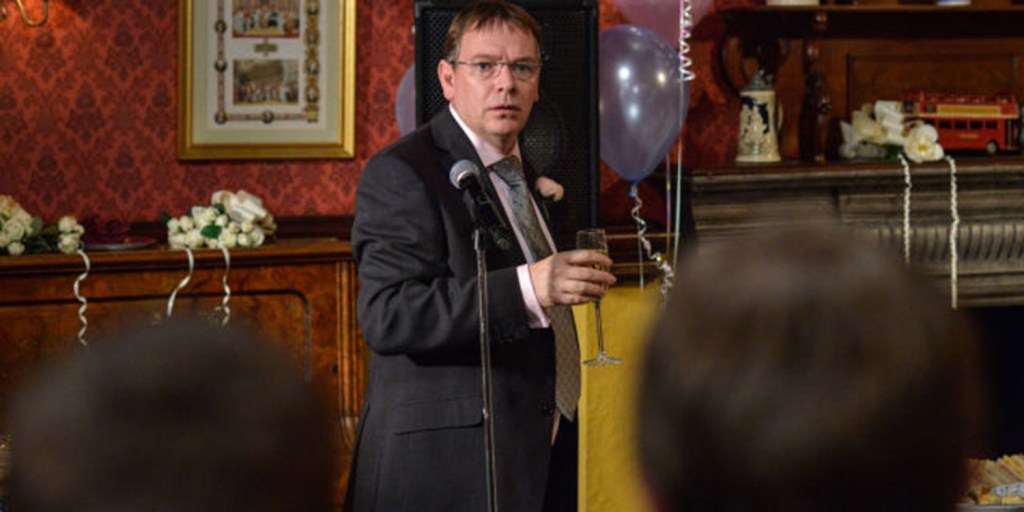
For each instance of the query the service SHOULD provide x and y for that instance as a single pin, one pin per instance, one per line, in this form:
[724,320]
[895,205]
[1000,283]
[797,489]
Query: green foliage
[211,231]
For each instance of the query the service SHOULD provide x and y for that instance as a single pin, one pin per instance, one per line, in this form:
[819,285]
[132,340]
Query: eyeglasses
[488,69]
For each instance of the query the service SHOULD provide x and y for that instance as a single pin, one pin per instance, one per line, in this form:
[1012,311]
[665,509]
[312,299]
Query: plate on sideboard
[129,243]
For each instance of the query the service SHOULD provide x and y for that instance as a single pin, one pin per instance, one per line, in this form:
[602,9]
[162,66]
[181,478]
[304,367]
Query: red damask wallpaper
[88,115]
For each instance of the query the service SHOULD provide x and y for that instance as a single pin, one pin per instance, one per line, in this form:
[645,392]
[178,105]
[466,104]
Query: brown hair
[485,14]
[804,370]
[180,416]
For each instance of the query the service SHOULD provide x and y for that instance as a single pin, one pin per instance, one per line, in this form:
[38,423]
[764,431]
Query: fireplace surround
[869,198]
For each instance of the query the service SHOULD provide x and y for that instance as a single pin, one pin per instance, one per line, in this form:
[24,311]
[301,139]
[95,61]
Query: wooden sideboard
[299,292]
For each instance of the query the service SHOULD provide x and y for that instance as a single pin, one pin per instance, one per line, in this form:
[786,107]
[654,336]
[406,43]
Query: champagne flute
[596,240]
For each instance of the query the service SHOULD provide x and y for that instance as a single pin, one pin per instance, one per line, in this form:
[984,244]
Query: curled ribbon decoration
[668,275]
[85,303]
[687,74]
[685,22]
[954,231]
[183,283]
[227,289]
[954,225]
[908,185]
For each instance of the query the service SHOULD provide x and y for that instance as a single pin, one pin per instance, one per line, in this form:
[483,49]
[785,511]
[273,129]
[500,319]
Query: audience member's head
[182,417]
[803,370]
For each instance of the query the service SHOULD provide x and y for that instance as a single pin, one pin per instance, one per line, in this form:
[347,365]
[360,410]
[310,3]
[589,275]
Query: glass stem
[600,330]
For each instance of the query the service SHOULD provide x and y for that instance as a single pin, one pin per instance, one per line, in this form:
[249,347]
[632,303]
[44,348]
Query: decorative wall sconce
[24,13]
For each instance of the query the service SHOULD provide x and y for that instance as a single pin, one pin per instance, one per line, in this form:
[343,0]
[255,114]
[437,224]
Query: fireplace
[870,197]
[1001,342]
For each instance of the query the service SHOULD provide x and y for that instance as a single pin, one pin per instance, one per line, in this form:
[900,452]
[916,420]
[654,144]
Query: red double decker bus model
[968,121]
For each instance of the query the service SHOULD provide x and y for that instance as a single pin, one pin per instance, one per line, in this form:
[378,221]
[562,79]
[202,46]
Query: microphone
[465,176]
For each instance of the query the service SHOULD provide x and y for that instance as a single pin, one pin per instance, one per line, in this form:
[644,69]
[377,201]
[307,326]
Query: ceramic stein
[760,119]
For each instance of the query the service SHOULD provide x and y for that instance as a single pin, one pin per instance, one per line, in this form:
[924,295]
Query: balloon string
[183,283]
[668,276]
[85,303]
[227,289]
[687,75]
[906,209]
[679,202]
[668,196]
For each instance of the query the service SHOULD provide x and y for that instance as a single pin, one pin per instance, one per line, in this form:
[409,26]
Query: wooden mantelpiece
[300,292]
[869,198]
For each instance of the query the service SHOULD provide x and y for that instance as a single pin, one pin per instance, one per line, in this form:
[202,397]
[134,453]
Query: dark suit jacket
[420,438]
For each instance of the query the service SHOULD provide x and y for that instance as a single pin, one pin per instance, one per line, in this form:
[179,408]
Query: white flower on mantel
[68,224]
[69,243]
[194,239]
[235,219]
[257,236]
[228,239]
[15,229]
[21,233]
[16,225]
[240,206]
[70,234]
[872,128]
[922,144]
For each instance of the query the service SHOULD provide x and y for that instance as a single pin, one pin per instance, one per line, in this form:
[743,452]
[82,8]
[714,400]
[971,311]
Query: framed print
[264,79]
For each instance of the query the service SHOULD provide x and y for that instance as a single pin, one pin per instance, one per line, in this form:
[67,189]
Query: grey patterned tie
[567,350]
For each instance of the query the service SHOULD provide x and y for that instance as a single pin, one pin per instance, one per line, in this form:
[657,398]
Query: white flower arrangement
[922,143]
[874,131]
[879,130]
[21,233]
[233,220]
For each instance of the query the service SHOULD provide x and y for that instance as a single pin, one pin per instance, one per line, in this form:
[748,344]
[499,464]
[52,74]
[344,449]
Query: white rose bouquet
[875,131]
[233,220]
[922,144]
[22,233]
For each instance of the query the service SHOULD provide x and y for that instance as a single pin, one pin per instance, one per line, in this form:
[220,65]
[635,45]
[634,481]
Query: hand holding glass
[595,240]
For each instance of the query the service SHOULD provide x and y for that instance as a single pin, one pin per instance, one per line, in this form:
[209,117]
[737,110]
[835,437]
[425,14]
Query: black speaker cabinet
[561,138]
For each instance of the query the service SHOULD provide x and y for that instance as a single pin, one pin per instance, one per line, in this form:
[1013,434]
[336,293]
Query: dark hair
[182,416]
[803,370]
[485,14]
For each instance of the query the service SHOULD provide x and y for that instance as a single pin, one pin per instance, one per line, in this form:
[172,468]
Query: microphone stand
[480,244]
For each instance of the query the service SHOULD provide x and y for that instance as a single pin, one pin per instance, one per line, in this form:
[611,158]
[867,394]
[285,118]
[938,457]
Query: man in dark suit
[420,441]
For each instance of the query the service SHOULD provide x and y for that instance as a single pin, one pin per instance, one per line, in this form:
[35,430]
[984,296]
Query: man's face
[495,108]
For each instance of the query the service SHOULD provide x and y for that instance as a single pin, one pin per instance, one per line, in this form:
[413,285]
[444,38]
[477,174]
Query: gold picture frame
[266,79]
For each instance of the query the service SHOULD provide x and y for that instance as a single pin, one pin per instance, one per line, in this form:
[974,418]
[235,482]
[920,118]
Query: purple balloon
[661,16]
[405,102]
[643,99]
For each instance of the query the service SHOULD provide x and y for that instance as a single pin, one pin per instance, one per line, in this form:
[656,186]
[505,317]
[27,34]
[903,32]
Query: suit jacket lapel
[455,146]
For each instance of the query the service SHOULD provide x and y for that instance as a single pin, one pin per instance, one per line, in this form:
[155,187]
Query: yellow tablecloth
[609,479]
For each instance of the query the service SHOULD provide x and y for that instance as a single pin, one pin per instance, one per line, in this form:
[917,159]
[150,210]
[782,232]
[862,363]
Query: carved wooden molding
[869,198]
